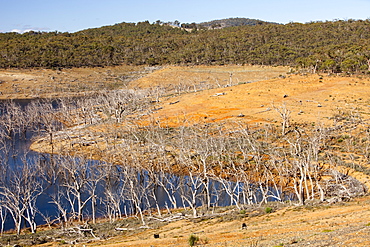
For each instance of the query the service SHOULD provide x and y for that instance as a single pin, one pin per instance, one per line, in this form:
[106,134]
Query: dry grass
[345,224]
[42,83]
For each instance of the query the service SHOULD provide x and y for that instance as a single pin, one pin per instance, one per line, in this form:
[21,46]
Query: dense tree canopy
[333,46]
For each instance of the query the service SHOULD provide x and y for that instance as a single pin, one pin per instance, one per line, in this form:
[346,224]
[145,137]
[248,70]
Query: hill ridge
[234,22]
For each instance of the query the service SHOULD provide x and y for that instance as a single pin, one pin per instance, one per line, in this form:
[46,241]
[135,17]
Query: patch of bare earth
[310,98]
[339,225]
[46,83]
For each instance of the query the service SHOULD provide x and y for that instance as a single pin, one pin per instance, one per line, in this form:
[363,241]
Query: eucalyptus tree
[11,119]
[75,178]
[96,176]
[20,186]
[114,194]
[3,216]
[58,198]
[136,190]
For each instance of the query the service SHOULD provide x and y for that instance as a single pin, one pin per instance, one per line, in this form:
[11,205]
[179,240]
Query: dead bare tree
[3,216]
[114,195]
[20,187]
[190,191]
[155,189]
[303,161]
[58,199]
[75,178]
[96,175]
[136,189]
[284,113]
[10,120]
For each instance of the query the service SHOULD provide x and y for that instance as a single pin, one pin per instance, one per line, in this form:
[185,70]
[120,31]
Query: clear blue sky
[75,15]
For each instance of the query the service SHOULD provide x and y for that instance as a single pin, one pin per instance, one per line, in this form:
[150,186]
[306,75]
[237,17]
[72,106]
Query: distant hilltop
[233,22]
[209,25]
[219,24]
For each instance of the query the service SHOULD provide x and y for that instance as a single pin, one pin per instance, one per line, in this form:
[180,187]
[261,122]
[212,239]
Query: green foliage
[327,230]
[339,46]
[193,239]
[268,210]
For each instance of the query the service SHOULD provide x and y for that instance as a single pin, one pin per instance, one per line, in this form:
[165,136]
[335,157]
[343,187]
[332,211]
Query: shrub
[193,239]
[268,210]
[327,230]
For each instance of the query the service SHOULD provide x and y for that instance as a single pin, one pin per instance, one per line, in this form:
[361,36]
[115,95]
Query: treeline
[332,46]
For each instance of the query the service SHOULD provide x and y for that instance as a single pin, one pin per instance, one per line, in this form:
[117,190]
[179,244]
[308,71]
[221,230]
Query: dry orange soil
[310,98]
[339,225]
[253,92]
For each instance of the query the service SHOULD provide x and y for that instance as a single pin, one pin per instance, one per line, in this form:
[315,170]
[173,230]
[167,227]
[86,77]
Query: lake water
[131,189]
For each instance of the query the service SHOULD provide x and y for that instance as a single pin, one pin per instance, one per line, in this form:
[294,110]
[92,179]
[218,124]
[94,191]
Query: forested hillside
[333,46]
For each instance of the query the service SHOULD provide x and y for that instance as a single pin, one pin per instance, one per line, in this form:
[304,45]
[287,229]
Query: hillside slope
[346,224]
